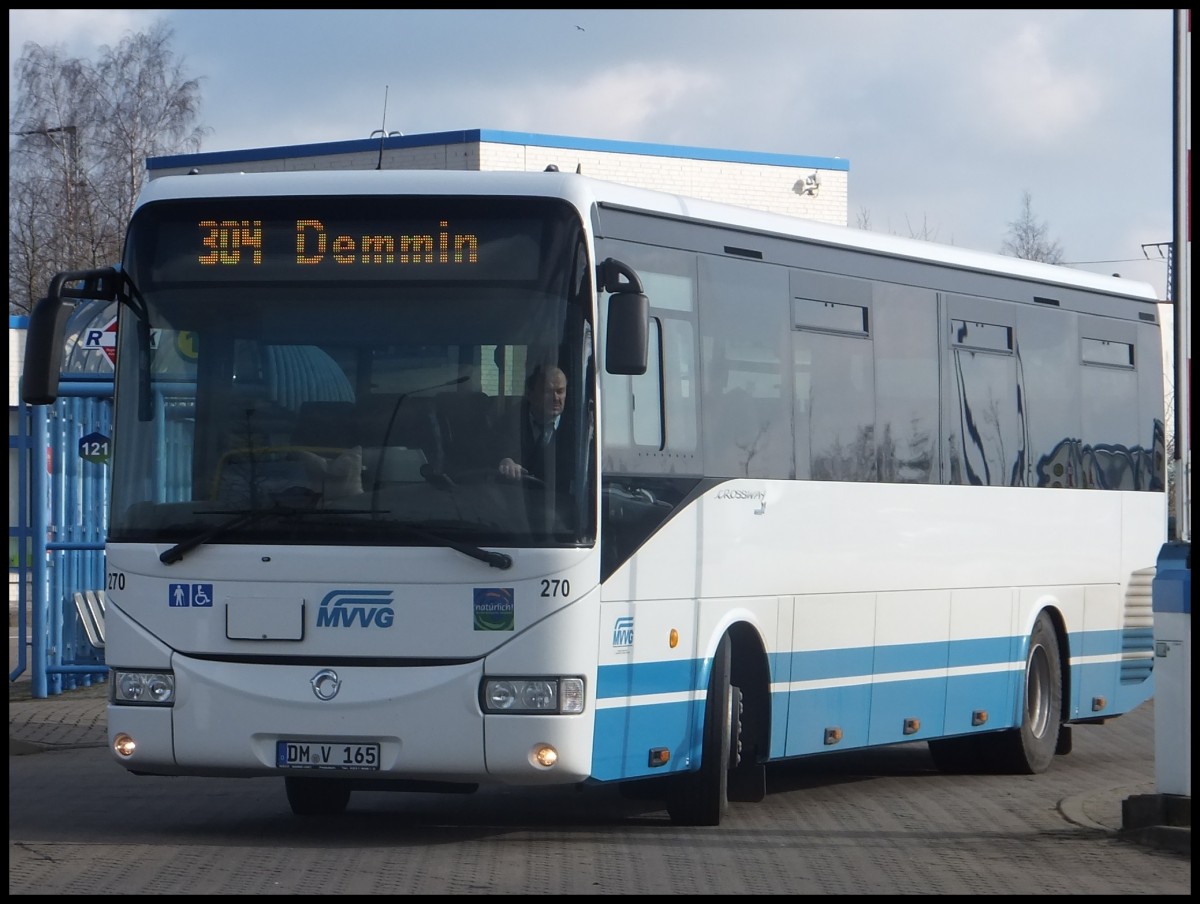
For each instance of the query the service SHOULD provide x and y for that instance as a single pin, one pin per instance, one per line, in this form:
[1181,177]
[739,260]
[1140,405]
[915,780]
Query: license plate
[326,755]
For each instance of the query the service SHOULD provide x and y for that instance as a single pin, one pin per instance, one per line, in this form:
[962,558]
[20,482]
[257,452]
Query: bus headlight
[143,688]
[524,696]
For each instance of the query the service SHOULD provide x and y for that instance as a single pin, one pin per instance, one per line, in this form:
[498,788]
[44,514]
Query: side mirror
[48,326]
[44,351]
[628,322]
[627,333]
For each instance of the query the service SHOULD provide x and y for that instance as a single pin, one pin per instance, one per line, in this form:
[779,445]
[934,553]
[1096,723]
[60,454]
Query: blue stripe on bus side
[624,738]
[640,679]
[822,665]
[984,651]
[842,692]
[659,714]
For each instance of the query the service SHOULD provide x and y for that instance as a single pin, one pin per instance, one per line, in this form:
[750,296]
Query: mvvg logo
[365,608]
[623,631]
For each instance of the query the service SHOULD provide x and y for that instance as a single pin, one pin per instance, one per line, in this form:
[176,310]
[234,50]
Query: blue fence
[63,480]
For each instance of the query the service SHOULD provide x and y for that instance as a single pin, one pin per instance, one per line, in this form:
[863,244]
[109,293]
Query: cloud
[620,102]
[1035,100]
[80,30]
[1030,96]
[631,102]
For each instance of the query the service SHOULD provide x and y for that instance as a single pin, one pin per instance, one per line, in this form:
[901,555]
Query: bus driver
[528,443]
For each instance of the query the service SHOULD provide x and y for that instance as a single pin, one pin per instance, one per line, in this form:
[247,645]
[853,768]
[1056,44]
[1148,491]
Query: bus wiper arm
[500,560]
[241,519]
[179,550]
[307,501]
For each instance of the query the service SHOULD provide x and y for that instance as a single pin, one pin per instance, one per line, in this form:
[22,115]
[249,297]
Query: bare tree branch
[1029,239]
[80,132]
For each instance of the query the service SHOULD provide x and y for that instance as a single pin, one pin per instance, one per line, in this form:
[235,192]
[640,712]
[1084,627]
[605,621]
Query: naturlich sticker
[494,609]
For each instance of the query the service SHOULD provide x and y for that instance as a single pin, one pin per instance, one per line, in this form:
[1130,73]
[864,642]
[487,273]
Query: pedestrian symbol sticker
[181,596]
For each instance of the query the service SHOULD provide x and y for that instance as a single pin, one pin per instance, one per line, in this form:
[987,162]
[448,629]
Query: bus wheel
[701,798]
[316,797]
[1030,749]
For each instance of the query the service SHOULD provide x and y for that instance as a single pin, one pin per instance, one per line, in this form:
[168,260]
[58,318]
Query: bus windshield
[353,370]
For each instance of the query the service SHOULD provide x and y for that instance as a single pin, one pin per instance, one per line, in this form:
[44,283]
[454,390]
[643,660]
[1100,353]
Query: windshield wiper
[241,519]
[300,501]
[500,560]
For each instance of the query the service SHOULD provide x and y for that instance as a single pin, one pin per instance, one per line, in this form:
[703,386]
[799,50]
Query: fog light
[545,755]
[123,745]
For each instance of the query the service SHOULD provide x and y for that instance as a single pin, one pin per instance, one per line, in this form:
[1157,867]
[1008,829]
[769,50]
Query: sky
[947,117]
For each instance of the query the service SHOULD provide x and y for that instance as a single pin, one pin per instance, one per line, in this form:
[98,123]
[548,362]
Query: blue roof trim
[18,321]
[662,150]
[361,145]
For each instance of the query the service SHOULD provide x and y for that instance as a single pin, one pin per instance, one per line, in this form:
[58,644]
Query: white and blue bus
[816,489]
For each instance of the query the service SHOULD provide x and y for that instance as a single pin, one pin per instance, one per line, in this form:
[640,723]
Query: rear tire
[316,797]
[1029,749]
[701,798]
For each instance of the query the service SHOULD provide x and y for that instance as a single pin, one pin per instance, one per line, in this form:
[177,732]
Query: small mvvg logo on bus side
[623,631]
[365,608]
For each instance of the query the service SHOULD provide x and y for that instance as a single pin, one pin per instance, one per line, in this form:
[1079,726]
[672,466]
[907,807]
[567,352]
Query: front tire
[316,797]
[701,798]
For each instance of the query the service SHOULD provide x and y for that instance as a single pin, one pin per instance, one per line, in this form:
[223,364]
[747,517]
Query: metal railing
[60,535]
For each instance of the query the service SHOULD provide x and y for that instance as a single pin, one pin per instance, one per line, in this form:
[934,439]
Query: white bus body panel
[928,629]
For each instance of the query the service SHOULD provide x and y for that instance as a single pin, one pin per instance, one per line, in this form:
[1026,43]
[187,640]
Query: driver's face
[552,395]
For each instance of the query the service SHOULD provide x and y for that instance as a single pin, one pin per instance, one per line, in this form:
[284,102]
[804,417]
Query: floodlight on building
[809,185]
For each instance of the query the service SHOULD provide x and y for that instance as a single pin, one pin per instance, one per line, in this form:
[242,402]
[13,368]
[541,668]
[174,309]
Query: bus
[817,489]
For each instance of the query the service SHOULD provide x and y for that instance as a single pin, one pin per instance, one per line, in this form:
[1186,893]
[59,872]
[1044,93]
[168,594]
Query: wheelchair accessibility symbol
[181,596]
